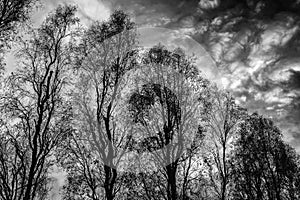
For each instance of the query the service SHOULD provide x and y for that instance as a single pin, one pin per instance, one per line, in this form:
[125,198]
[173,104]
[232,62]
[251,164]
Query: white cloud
[88,10]
[277,96]
[92,10]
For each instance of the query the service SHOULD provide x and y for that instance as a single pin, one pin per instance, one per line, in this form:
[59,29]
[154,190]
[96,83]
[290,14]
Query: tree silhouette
[223,121]
[93,99]
[263,163]
[36,117]
[105,54]
[164,107]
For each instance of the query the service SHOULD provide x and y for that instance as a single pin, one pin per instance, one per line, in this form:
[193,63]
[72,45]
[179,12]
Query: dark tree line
[126,123]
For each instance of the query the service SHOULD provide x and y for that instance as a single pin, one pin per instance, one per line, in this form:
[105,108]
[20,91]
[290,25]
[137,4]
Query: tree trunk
[29,185]
[110,179]
[224,178]
[223,197]
[171,188]
[34,156]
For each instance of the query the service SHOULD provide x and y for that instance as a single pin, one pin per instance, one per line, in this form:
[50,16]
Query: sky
[250,46]
[253,44]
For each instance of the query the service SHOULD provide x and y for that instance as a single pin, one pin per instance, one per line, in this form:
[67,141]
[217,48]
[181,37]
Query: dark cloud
[159,13]
[269,56]
[255,43]
[294,80]
[185,12]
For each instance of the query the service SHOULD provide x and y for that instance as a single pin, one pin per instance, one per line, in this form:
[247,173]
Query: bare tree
[37,116]
[105,54]
[191,180]
[165,107]
[223,119]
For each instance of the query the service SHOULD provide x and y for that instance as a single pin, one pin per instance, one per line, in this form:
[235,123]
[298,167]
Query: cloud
[255,43]
[256,47]
[294,80]
[88,10]
[157,12]
[173,39]
[91,10]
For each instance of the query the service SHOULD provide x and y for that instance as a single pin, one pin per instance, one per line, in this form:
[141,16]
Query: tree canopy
[129,123]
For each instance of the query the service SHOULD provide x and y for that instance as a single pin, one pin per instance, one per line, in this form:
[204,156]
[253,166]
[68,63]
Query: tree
[191,180]
[84,173]
[165,107]
[37,115]
[12,14]
[106,53]
[223,121]
[264,167]
[143,185]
